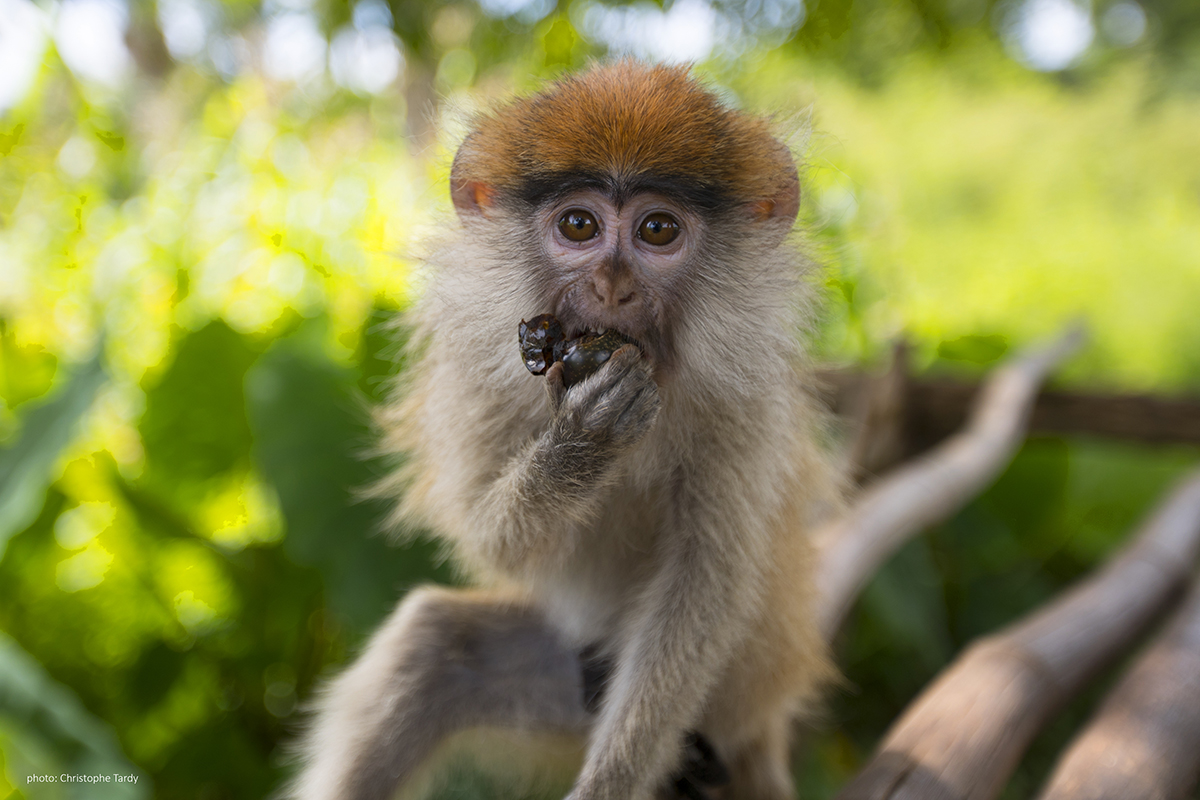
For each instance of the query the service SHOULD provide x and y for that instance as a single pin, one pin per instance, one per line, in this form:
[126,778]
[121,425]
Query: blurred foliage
[199,262]
[45,731]
[27,466]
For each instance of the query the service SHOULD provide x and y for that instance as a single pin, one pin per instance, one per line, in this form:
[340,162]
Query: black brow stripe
[537,190]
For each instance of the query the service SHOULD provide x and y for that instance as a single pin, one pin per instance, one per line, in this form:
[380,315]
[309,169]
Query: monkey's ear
[784,204]
[472,197]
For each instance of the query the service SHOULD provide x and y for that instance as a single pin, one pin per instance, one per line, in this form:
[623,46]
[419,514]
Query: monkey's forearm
[557,482]
[691,622]
[553,486]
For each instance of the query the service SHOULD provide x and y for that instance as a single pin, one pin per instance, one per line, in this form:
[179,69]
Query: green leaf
[311,435]
[380,354]
[26,467]
[26,371]
[46,731]
[974,349]
[195,424]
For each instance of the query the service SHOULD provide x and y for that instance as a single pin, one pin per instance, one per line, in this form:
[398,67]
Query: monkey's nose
[612,294]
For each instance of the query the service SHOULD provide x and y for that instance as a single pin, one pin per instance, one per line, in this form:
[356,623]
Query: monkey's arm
[556,482]
[689,623]
[444,661]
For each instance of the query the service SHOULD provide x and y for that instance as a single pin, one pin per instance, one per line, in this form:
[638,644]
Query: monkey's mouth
[611,335]
[585,354]
[544,342]
[594,345]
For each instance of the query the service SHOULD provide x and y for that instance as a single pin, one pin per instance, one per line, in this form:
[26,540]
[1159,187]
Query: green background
[197,270]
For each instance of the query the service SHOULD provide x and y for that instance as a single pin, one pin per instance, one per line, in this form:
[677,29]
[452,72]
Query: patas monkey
[641,535]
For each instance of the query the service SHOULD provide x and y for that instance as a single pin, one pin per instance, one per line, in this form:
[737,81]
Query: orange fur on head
[627,121]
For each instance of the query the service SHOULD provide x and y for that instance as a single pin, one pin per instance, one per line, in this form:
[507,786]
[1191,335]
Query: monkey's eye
[578,225]
[658,229]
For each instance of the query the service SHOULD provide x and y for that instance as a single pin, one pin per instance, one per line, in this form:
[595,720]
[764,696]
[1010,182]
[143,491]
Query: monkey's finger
[641,410]
[554,384]
[630,351]
[626,357]
[618,372]
[630,358]
[626,380]
[602,395]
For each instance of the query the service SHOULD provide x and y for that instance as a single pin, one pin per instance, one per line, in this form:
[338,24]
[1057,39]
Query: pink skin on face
[611,273]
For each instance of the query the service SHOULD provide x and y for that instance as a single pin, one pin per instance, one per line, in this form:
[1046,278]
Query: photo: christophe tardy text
[68,778]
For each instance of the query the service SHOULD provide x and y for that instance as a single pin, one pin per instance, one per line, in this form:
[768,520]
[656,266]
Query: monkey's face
[616,263]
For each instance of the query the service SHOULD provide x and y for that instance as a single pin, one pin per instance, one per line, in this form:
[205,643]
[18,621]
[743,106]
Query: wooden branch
[933,486]
[964,735]
[1145,739]
[936,407]
[879,417]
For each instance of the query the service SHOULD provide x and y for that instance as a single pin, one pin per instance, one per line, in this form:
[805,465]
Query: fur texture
[627,120]
[677,549]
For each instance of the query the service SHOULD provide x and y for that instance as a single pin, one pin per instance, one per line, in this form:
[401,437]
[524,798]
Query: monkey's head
[635,193]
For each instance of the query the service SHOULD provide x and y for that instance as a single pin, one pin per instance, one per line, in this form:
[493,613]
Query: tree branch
[1145,740]
[964,735]
[934,485]
[933,408]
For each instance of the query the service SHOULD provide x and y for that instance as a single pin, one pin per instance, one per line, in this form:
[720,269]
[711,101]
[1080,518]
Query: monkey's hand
[609,411]
[556,484]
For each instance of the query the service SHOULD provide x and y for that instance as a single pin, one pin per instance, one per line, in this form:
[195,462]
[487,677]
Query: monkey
[638,540]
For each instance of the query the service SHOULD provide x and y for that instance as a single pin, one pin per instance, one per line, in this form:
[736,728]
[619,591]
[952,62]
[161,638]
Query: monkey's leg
[443,662]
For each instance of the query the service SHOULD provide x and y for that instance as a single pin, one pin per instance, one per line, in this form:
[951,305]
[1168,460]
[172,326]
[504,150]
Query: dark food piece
[543,343]
[539,339]
[583,356]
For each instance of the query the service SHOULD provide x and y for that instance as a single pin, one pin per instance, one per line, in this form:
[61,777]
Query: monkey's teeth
[577,333]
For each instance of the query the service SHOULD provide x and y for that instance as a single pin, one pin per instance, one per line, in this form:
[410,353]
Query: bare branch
[1145,739]
[964,735]
[879,413]
[934,408]
[935,485]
